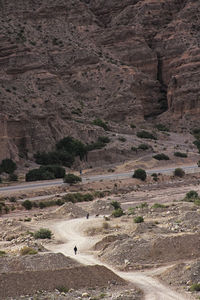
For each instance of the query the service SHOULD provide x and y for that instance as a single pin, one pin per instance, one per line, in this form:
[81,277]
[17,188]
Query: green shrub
[71,178]
[115,204]
[132,126]
[179,172]
[146,135]
[195,287]
[161,127]
[13,177]
[192,195]
[143,147]
[180,154]
[140,174]
[161,156]
[139,219]
[197,202]
[100,123]
[8,166]
[117,213]
[27,251]
[43,233]
[0,180]
[27,204]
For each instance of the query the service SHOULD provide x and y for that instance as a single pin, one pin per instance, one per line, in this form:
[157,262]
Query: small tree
[140,174]
[71,178]
[179,172]
[192,195]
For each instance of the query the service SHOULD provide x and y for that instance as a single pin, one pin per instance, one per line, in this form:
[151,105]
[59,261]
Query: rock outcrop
[65,63]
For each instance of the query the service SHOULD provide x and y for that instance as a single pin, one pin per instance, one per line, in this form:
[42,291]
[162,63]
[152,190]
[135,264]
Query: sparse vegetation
[43,233]
[140,174]
[161,156]
[122,139]
[13,177]
[191,196]
[2,253]
[28,251]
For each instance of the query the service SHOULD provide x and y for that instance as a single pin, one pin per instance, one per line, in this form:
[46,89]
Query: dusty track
[70,233]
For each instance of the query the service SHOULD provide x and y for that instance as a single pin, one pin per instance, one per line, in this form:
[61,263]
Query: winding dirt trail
[70,233]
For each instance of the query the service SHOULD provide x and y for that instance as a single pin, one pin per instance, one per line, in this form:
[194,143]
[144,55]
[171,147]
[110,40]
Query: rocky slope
[65,63]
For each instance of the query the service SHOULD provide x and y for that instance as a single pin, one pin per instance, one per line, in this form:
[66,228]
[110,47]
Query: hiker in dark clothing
[87,216]
[75,250]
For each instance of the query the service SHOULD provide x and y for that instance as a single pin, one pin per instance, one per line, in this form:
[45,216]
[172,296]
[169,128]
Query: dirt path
[70,233]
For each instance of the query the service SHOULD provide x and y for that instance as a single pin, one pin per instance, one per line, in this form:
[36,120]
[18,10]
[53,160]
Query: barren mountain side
[63,64]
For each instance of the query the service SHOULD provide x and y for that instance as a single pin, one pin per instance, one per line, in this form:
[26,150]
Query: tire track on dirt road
[70,233]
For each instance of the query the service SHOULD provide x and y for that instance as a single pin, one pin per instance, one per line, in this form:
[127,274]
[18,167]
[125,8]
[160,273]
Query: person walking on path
[87,216]
[75,250]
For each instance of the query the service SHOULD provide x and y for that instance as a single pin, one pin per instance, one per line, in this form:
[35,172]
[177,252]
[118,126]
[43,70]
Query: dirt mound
[98,207]
[140,252]
[48,272]
[150,227]
[68,209]
[182,274]
[35,263]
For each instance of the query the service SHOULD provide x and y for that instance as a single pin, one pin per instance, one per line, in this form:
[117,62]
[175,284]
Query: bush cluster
[8,166]
[146,135]
[45,173]
[27,251]
[43,233]
[161,156]
[117,212]
[180,154]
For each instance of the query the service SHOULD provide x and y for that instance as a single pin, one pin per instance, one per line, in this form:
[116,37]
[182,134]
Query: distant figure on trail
[80,171]
[75,250]
[87,216]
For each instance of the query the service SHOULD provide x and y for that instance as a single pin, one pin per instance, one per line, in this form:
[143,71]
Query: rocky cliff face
[64,63]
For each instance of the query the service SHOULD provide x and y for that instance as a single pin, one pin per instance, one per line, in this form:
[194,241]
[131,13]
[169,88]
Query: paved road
[113,176]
